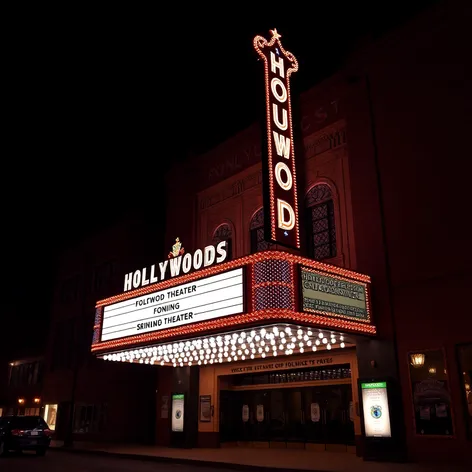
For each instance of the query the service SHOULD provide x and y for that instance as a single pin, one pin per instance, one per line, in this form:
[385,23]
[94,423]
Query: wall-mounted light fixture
[37,400]
[417,360]
[21,401]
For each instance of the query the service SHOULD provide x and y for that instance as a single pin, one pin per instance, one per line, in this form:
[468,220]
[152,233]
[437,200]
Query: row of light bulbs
[268,341]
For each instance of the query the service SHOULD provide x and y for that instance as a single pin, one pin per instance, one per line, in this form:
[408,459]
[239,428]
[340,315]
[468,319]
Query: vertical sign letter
[280,182]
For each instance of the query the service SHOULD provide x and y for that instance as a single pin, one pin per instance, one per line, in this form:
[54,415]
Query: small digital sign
[178,412]
[376,411]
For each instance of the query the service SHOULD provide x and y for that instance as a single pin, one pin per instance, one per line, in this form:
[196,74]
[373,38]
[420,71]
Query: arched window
[258,243]
[320,222]
[224,233]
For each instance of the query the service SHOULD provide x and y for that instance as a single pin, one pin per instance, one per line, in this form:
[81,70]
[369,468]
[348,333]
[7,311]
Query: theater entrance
[310,409]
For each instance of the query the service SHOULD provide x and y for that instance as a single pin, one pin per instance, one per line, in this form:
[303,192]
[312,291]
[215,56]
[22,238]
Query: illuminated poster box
[334,296]
[376,412]
[178,412]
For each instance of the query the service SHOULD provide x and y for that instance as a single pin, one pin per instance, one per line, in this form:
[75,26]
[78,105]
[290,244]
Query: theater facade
[270,338]
[258,347]
[292,309]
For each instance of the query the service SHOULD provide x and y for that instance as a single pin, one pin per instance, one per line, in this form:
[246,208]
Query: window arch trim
[326,194]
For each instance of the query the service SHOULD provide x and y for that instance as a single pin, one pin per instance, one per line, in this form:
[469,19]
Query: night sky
[101,103]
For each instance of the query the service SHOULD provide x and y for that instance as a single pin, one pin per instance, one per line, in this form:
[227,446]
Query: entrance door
[277,415]
[334,414]
[318,414]
[231,425]
[327,418]
[261,408]
[314,411]
[294,415]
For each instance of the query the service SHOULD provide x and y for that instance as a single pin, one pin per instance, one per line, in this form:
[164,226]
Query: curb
[175,460]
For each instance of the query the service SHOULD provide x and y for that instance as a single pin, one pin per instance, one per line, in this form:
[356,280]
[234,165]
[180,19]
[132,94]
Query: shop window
[50,416]
[430,392]
[89,418]
[25,373]
[1,412]
[465,365]
[320,222]
[258,242]
[31,412]
[224,232]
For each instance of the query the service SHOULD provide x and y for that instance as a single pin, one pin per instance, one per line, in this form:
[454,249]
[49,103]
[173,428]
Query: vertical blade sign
[280,185]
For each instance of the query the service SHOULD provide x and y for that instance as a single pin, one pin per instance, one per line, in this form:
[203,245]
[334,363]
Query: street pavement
[64,462]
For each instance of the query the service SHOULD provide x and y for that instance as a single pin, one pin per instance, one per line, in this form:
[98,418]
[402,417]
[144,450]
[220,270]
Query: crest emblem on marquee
[177,249]
[280,179]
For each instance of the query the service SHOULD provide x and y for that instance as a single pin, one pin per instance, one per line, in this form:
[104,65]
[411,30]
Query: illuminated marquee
[280,191]
[270,296]
[204,299]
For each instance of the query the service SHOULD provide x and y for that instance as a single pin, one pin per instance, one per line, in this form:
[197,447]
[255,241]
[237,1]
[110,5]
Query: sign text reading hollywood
[174,267]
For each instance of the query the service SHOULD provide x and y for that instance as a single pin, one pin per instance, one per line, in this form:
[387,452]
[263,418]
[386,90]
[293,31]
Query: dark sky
[101,102]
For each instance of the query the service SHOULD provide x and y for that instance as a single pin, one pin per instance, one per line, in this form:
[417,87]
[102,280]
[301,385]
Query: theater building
[304,301]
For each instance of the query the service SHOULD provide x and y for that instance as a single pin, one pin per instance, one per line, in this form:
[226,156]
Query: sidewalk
[281,460]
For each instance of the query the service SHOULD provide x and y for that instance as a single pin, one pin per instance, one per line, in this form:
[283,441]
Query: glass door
[277,415]
[230,416]
[294,415]
[348,425]
[337,414]
[247,416]
[261,407]
[314,414]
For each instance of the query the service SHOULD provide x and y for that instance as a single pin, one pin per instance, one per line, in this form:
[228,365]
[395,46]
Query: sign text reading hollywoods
[176,266]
